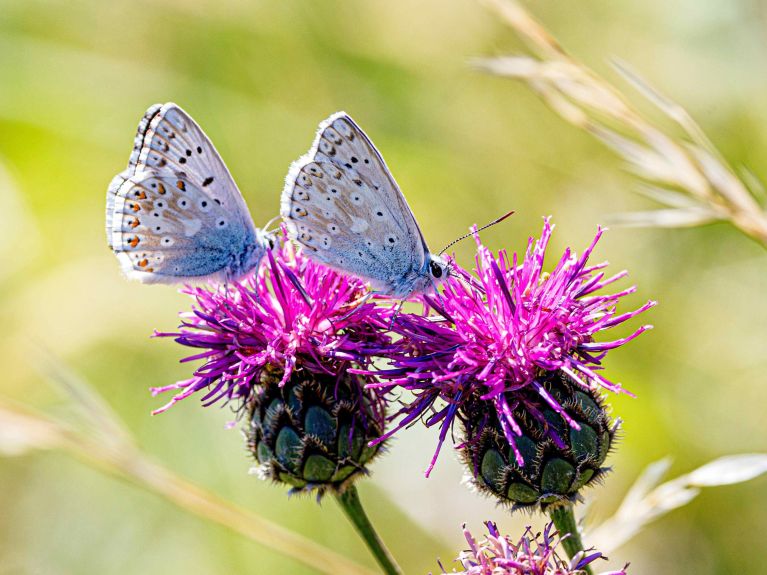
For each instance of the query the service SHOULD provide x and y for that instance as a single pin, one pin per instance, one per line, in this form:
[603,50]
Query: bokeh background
[75,77]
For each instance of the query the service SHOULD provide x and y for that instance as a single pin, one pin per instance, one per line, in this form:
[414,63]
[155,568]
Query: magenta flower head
[279,346]
[514,354]
[532,554]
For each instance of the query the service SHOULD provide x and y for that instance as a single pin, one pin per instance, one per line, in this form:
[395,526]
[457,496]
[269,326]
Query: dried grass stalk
[684,173]
[100,439]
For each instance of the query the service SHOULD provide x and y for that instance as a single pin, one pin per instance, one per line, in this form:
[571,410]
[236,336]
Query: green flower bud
[313,432]
[559,460]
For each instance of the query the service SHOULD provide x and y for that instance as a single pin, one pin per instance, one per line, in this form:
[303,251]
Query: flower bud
[312,433]
[558,458]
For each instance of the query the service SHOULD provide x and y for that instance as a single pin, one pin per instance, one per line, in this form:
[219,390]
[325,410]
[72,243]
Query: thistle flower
[532,554]
[280,345]
[509,347]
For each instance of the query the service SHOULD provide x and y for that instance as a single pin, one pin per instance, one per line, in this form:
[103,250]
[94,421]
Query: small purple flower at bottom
[532,554]
[495,337]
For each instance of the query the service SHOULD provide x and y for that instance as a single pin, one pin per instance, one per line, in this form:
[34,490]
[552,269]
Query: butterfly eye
[436,269]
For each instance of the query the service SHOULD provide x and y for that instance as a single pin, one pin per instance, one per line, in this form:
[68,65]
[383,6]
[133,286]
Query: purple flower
[533,554]
[293,313]
[492,338]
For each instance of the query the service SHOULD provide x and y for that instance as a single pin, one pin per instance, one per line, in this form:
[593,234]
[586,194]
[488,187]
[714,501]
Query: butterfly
[343,206]
[175,214]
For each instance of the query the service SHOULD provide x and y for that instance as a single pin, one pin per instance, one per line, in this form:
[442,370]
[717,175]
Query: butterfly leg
[436,293]
[396,313]
[356,305]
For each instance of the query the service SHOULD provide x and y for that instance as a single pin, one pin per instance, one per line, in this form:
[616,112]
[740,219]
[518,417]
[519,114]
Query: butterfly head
[439,269]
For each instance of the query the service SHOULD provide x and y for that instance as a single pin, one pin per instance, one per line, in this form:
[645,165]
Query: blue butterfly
[175,214]
[342,205]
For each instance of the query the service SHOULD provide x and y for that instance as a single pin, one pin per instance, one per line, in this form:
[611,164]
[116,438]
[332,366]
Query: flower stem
[350,502]
[564,520]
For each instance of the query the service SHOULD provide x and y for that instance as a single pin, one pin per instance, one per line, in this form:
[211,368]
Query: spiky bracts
[313,432]
[559,458]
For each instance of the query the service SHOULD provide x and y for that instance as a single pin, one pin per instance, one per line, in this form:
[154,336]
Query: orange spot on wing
[181,185]
[161,189]
[135,223]
[143,263]
[135,207]
[134,242]
[149,270]
[141,194]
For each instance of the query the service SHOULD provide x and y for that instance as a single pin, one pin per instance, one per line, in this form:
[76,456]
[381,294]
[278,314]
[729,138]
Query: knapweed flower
[532,554]
[279,345]
[514,349]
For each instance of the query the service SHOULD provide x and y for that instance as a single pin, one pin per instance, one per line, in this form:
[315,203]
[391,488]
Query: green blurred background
[75,77]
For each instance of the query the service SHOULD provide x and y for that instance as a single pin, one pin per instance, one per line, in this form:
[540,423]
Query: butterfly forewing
[169,139]
[341,141]
[342,204]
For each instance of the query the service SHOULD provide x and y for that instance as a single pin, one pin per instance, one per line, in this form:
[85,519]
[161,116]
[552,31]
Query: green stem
[350,502]
[564,520]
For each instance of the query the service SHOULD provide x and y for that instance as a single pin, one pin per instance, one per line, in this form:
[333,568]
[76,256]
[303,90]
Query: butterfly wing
[165,228]
[169,139]
[171,201]
[341,203]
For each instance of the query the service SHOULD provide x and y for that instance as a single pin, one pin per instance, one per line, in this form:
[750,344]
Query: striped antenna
[471,233]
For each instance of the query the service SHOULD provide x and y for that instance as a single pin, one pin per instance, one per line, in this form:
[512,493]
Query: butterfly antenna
[270,222]
[471,233]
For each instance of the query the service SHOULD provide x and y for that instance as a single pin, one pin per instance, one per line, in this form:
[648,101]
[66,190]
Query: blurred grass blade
[656,159]
[523,67]
[96,414]
[22,431]
[667,218]
[754,184]
[729,469]
[723,179]
[670,108]
[647,501]
[645,483]
[666,196]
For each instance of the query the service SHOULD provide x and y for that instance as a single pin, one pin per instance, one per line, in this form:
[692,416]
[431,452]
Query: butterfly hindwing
[164,228]
[344,207]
